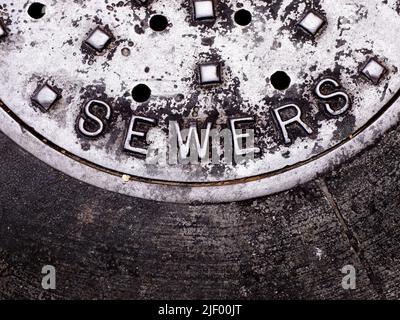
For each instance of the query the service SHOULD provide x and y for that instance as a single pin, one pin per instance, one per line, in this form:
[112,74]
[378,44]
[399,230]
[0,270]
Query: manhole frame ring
[217,193]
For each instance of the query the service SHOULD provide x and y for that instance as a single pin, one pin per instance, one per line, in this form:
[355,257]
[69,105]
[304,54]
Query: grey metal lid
[103,92]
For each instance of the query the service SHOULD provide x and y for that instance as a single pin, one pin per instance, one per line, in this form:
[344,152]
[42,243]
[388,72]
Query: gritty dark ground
[288,246]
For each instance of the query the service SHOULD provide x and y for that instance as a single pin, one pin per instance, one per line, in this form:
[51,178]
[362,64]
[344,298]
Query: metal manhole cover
[201,100]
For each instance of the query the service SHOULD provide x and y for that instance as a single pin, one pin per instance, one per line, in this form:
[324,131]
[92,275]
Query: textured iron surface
[291,245]
[352,49]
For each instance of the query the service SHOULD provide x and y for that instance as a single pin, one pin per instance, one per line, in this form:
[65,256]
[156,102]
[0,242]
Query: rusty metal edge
[218,192]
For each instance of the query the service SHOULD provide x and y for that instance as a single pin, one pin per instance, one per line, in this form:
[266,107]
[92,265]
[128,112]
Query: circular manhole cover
[197,100]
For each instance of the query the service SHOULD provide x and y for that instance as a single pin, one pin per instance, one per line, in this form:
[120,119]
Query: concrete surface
[288,246]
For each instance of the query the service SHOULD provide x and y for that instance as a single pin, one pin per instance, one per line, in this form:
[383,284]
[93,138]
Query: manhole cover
[186,100]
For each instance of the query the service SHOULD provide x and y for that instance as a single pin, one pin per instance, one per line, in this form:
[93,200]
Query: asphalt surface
[287,246]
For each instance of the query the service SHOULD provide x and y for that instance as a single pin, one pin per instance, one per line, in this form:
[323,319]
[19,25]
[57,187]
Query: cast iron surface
[352,51]
[285,246]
